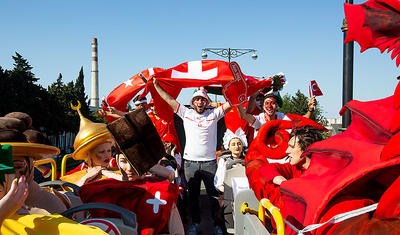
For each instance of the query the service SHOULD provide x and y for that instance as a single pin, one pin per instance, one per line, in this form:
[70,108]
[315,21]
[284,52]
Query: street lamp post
[229,52]
[348,55]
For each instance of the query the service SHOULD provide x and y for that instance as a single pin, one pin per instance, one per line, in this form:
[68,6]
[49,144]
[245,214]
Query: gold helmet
[89,136]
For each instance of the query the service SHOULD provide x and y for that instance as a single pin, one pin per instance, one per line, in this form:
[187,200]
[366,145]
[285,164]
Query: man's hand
[278,180]
[312,103]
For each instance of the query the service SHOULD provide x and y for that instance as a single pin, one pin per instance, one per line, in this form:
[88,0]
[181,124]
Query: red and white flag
[198,74]
[120,96]
[149,198]
[314,89]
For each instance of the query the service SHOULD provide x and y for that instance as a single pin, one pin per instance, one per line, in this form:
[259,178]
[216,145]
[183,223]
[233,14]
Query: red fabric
[235,91]
[166,129]
[389,204]
[120,96]
[339,161]
[362,225]
[336,163]
[314,89]
[397,96]
[340,207]
[395,127]
[257,164]
[135,196]
[233,121]
[196,74]
[392,148]
[375,24]
[299,121]
[80,167]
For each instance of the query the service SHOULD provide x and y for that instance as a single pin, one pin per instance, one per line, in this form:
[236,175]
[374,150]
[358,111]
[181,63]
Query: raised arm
[252,102]
[167,97]
[112,112]
[246,116]
[226,107]
[311,107]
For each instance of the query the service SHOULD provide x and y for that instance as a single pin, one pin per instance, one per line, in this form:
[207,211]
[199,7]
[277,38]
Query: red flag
[150,199]
[314,89]
[375,23]
[197,74]
[120,96]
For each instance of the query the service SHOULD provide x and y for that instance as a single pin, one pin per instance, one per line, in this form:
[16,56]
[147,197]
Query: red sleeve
[270,171]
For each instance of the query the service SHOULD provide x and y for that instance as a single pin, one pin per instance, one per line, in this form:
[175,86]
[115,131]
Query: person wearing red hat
[200,126]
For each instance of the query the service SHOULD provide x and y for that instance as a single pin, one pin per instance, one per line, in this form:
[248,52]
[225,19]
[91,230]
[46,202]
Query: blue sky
[300,38]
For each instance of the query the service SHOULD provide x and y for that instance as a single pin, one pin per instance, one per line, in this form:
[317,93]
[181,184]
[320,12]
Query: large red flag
[375,23]
[120,96]
[198,74]
[150,199]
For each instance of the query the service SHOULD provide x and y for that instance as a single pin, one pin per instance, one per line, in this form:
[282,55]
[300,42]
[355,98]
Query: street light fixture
[228,52]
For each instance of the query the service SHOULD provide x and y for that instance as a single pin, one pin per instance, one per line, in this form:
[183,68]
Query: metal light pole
[348,55]
[228,52]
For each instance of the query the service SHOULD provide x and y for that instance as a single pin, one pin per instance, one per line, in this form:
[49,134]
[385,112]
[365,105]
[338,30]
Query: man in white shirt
[201,141]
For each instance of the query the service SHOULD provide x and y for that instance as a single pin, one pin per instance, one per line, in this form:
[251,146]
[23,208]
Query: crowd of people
[102,159]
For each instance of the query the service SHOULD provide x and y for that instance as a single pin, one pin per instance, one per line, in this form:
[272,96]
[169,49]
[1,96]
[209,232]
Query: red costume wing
[346,164]
[375,23]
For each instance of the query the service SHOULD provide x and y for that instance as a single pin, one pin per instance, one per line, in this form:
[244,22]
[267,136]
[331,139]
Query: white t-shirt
[260,120]
[201,132]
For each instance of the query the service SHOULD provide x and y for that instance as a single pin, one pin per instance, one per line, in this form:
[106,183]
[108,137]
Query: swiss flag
[149,198]
[314,89]
[120,96]
[198,74]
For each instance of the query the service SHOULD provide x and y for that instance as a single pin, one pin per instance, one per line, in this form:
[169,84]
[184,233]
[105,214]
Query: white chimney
[94,100]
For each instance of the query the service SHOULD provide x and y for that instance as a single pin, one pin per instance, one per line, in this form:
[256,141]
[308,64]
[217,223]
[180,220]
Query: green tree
[23,94]
[80,94]
[297,104]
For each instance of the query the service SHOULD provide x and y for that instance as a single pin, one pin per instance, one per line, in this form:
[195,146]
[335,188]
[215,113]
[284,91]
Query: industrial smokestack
[94,100]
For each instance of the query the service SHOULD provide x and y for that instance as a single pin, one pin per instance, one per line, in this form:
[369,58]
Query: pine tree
[22,65]
[80,94]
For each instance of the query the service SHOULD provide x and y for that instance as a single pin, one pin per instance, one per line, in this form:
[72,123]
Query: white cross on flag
[200,74]
[120,96]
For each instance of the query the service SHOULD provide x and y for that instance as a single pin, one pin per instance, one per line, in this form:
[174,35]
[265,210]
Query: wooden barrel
[138,140]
